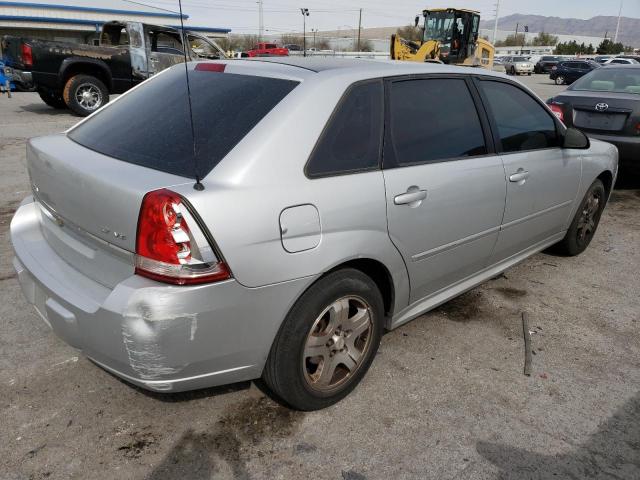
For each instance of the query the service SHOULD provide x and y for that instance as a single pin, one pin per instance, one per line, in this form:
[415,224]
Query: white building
[81,23]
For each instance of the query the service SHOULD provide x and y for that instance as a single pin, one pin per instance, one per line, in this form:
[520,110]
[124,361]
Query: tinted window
[433,120]
[523,124]
[351,139]
[150,126]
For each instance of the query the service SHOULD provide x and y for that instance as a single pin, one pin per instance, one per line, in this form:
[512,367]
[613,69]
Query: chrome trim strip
[534,215]
[434,251]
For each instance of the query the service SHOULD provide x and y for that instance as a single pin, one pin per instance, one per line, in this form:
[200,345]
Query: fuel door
[300,228]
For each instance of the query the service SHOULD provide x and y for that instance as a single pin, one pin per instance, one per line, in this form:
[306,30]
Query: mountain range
[629,33]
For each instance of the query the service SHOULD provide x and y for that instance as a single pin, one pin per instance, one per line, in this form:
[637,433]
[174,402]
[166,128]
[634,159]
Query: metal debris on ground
[527,344]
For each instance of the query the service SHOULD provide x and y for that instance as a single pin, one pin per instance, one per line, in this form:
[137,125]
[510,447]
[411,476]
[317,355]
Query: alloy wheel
[589,218]
[337,343]
[89,96]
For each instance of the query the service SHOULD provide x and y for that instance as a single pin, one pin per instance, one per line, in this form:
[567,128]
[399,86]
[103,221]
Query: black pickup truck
[81,77]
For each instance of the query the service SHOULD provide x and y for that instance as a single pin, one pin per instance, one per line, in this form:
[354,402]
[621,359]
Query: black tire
[513,71]
[581,230]
[288,372]
[98,94]
[52,99]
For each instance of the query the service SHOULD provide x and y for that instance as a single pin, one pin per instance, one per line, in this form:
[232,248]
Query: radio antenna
[198,185]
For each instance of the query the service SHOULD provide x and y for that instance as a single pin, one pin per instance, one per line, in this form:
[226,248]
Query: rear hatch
[89,205]
[90,182]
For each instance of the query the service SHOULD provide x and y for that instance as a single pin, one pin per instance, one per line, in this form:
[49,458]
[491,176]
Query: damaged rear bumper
[157,336]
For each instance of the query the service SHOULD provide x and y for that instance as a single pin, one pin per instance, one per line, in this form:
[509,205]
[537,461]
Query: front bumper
[523,68]
[160,337]
[628,147]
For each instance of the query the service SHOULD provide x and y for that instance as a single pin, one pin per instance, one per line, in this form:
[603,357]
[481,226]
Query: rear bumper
[21,77]
[628,147]
[160,337]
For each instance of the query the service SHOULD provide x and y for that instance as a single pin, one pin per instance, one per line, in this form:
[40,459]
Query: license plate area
[599,121]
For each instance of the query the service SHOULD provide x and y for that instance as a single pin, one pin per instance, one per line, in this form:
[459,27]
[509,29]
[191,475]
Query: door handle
[413,197]
[520,176]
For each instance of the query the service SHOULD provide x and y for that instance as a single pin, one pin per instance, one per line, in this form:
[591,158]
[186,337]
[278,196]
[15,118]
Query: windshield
[438,26]
[620,80]
[519,59]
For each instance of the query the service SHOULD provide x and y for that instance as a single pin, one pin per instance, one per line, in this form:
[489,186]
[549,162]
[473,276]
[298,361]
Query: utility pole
[516,37]
[260,21]
[495,25]
[615,38]
[359,28]
[305,14]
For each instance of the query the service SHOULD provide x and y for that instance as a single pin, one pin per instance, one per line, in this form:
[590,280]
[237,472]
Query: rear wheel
[560,80]
[327,342]
[52,99]
[585,222]
[84,94]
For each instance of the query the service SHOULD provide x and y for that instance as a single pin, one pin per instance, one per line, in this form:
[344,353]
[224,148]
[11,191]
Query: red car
[267,50]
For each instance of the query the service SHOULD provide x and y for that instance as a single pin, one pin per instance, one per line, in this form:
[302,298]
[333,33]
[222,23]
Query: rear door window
[351,140]
[433,120]
[151,125]
[522,123]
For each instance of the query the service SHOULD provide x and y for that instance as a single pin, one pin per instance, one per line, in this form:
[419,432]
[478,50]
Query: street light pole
[314,31]
[305,14]
[615,38]
[495,25]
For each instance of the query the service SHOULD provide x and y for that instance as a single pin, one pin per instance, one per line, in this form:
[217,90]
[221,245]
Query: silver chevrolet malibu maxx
[294,213]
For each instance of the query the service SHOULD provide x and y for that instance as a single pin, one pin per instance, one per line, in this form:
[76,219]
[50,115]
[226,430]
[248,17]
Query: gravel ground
[445,398]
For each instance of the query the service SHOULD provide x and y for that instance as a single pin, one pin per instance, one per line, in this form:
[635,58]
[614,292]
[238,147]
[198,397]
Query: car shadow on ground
[612,452]
[43,109]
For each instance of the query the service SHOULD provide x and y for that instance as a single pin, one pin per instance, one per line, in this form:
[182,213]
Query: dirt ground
[445,398]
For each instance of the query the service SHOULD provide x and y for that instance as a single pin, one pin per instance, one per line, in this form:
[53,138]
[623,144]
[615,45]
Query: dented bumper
[157,336]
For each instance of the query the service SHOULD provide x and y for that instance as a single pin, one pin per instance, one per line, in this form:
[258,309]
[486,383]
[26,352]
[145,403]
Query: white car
[621,61]
[518,66]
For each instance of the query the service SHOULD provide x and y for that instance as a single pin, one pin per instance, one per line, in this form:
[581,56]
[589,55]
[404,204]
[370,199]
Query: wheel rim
[88,96]
[337,343]
[588,218]
[559,80]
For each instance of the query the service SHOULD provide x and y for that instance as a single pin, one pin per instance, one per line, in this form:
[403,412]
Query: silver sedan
[296,211]
[518,66]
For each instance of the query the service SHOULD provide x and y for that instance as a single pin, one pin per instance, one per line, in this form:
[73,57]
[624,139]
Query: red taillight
[27,55]
[638,128]
[557,111]
[171,247]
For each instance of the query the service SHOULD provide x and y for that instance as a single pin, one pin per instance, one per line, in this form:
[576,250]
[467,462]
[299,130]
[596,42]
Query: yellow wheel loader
[449,35]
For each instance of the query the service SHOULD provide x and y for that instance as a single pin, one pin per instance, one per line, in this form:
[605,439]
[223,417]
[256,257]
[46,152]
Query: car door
[445,186]
[542,178]
[164,49]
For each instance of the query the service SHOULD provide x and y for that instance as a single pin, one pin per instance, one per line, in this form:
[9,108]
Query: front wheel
[327,341]
[513,71]
[560,80]
[84,94]
[585,222]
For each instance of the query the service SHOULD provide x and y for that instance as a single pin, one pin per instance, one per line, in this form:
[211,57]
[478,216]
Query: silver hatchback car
[297,211]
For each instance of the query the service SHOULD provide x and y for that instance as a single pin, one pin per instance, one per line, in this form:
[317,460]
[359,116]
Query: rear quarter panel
[264,174]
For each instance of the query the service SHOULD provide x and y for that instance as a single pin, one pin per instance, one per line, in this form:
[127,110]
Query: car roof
[356,68]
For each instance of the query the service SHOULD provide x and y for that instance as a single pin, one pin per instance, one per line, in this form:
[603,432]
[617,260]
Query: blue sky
[283,16]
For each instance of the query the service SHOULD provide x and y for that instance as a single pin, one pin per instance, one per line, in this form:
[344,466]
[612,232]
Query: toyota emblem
[601,107]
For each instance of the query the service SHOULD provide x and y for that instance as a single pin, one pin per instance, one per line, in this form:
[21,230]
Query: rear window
[151,127]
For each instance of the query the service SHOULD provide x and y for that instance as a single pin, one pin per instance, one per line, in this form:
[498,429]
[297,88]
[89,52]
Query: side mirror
[574,138]
[417,20]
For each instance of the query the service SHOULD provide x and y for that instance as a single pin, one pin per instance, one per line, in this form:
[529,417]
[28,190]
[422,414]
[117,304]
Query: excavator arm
[402,49]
